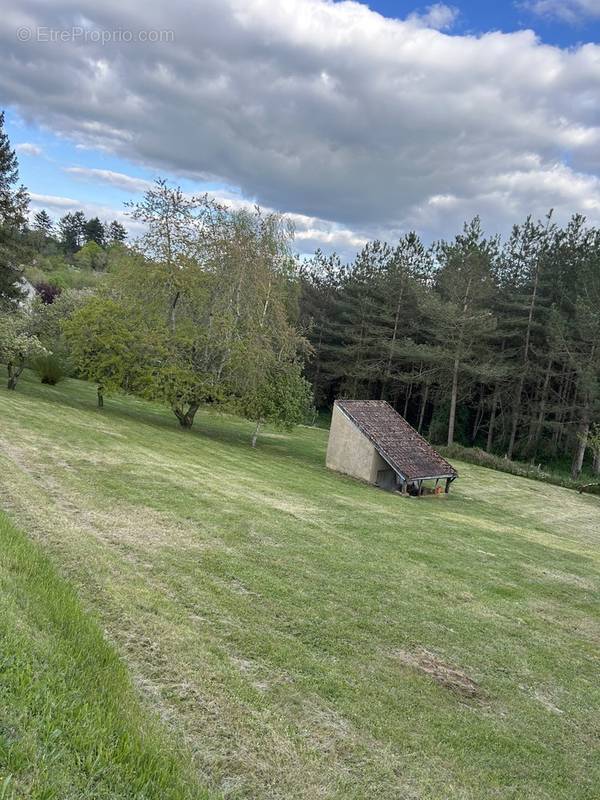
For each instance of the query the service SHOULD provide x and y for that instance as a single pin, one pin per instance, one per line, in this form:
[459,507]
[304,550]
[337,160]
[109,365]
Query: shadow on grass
[210,423]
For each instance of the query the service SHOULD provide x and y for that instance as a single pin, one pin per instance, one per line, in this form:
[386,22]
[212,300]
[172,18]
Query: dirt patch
[443,674]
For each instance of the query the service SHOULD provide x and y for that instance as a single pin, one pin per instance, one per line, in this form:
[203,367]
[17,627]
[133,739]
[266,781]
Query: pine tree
[13,212]
[43,223]
[463,319]
[117,233]
[72,228]
[94,232]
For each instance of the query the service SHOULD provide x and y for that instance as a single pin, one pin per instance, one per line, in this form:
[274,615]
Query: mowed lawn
[305,636]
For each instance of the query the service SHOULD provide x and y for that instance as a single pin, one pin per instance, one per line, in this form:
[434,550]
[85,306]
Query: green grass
[70,723]
[557,473]
[304,635]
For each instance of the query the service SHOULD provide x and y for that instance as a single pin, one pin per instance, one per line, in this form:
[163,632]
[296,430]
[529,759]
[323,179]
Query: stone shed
[370,441]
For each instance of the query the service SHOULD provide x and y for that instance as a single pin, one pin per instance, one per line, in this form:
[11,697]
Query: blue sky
[355,126]
[64,169]
[479,16]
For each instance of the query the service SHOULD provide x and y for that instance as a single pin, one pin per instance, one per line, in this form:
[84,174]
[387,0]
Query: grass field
[302,635]
[70,722]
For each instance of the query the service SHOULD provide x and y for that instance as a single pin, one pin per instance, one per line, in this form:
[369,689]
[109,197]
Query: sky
[358,121]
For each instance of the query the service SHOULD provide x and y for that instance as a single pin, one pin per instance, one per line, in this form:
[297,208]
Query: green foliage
[13,212]
[94,232]
[56,270]
[49,368]
[276,392]
[104,344]
[18,344]
[494,343]
[91,257]
[438,427]
[43,223]
[116,232]
[71,229]
[215,293]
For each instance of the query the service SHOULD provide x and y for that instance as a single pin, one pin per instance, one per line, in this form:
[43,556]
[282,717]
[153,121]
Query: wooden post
[448,482]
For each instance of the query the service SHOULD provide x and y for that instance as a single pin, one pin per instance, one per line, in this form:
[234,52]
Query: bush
[47,292]
[49,368]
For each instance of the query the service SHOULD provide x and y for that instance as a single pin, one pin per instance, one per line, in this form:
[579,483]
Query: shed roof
[396,441]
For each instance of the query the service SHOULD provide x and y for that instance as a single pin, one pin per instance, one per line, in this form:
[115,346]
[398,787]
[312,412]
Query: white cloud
[118,179]
[28,149]
[438,16]
[53,202]
[325,110]
[571,11]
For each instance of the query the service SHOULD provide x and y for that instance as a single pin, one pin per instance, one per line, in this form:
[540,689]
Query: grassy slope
[70,723]
[309,636]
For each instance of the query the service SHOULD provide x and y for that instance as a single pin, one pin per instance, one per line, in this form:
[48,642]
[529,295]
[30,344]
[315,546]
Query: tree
[18,344]
[13,199]
[43,223]
[117,233]
[104,345]
[275,392]
[180,231]
[72,231]
[465,285]
[216,292]
[94,232]
[91,257]
[13,212]
[593,442]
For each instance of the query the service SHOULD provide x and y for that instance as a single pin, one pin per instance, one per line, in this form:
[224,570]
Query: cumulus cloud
[438,16]
[28,149]
[571,11]
[325,110]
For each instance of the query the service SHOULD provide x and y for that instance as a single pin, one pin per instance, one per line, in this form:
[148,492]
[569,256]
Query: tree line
[473,340]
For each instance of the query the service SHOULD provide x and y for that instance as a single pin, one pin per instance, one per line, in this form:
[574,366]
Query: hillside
[71,724]
[307,636]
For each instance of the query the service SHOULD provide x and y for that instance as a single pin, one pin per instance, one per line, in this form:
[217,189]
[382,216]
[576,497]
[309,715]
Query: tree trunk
[516,413]
[255,434]
[517,400]
[186,417]
[100,396]
[388,369]
[561,412]
[407,399]
[490,436]
[596,464]
[13,376]
[453,401]
[455,370]
[477,423]
[423,407]
[581,446]
[537,431]
[172,310]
